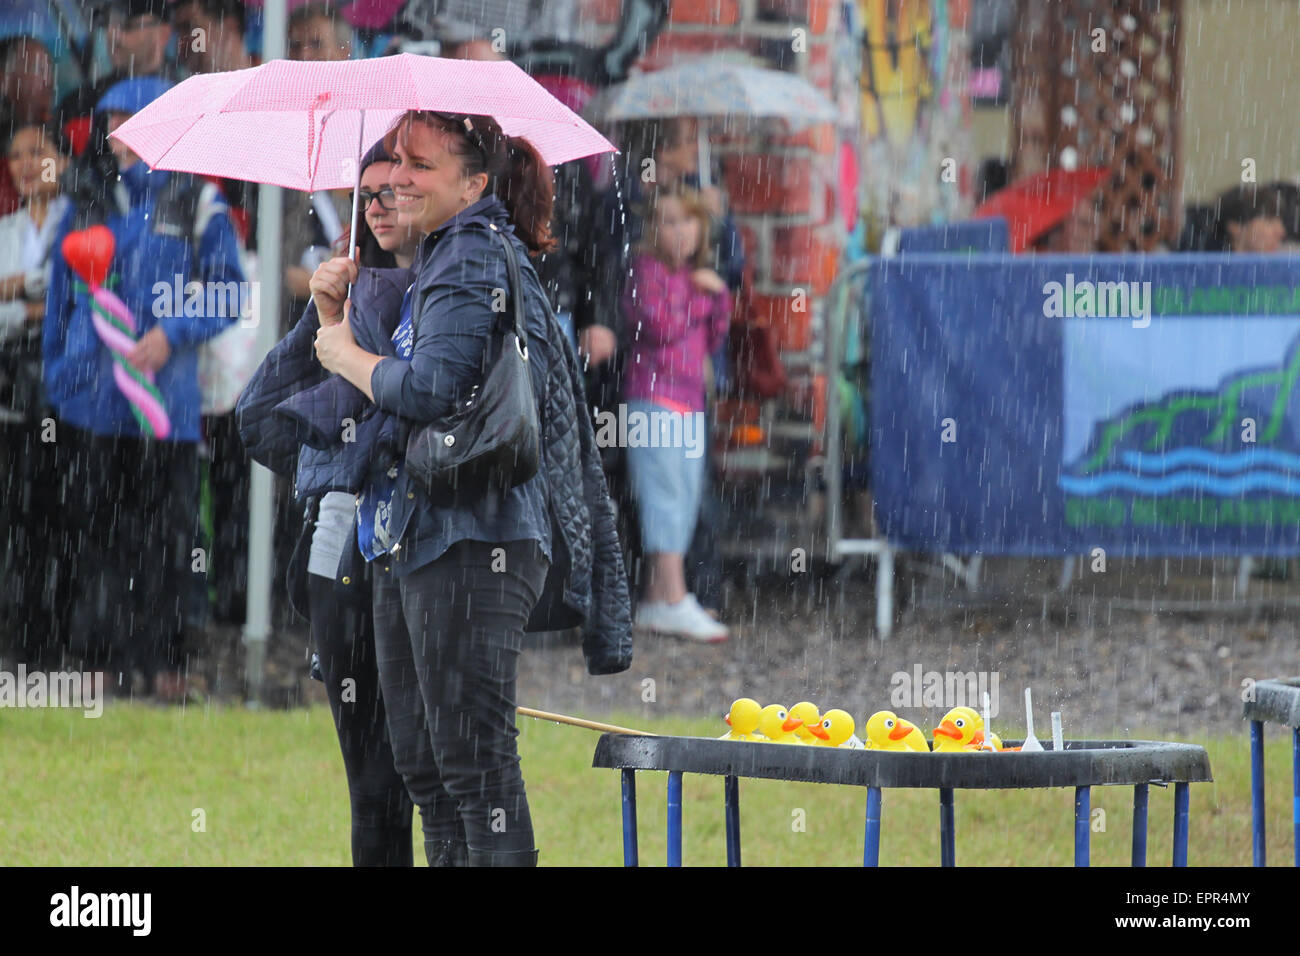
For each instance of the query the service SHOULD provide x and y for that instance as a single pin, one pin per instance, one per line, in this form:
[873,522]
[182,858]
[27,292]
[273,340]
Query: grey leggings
[447,639]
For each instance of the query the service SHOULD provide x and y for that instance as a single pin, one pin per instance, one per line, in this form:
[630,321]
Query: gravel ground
[1137,650]
[1109,665]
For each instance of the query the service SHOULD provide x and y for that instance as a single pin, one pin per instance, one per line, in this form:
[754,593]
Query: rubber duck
[962,729]
[811,717]
[742,718]
[777,726]
[885,730]
[839,727]
[956,732]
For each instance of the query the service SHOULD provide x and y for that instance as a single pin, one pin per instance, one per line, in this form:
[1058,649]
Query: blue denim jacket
[459,271]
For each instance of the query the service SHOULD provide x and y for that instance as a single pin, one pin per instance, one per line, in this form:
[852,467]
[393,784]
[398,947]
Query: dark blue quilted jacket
[292,413]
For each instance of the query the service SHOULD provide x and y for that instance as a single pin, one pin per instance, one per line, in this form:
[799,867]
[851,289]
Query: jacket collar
[140,180]
[490,209]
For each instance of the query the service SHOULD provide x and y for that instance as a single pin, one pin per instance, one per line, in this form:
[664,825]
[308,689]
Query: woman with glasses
[458,576]
[339,606]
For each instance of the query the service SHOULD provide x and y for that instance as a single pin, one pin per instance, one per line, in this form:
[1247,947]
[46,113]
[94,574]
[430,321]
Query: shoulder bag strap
[515,293]
[516,310]
[516,290]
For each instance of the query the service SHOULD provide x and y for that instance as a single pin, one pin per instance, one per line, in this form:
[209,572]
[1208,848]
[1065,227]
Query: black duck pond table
[1083,764]
[1277,702]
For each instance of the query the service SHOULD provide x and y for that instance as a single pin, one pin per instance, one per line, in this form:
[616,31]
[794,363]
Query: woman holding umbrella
[456,581]
[341,626]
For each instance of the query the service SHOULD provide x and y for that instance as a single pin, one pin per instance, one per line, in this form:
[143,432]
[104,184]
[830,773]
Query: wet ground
[1149,646]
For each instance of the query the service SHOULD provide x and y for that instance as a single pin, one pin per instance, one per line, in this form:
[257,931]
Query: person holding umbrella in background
[671,145]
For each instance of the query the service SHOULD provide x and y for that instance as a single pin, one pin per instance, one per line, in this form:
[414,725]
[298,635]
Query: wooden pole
[579,722]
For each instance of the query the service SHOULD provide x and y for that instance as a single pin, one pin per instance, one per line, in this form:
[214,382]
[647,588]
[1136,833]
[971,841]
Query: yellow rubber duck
[838,727]
[777,726]
[742,718]
[811,717]
[962,731]
[885,730]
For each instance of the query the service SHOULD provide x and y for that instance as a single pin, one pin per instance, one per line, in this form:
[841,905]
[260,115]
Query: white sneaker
[711,615]
[683,619]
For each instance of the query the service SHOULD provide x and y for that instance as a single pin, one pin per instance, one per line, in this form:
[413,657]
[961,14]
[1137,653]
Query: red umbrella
[1034,205]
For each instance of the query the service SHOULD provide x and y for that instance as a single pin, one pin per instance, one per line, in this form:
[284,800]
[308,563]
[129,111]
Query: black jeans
[35,589]
[381,810]
[130,506]
[448,637]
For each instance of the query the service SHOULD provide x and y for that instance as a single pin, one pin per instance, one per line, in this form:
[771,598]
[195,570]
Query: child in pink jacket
[677,311]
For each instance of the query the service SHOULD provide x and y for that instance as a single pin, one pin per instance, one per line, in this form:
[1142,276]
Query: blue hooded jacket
[153,260]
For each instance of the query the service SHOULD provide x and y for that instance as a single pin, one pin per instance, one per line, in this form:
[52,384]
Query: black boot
[502,857]
[446,853]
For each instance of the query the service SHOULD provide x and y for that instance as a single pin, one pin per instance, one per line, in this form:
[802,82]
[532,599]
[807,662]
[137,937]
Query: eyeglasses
[385,196]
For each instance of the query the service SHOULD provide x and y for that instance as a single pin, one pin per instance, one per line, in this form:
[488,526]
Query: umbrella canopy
[305,125]
[1037,203]
[707,87]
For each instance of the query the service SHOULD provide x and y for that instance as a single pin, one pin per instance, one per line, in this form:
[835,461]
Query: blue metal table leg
[674,818]
[629,818]
[1140,825]
[1182,794]
[947,829]
[1082,819]
[871,848]
[731,798]
[1295,790]
[1257,792]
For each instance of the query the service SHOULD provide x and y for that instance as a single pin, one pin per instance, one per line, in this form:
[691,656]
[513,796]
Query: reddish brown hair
[516,172]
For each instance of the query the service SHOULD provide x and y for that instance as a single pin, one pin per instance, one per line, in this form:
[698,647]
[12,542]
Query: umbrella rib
[177,140]
[243,86]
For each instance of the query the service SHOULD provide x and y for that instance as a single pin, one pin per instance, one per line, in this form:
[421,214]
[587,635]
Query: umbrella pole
[356,196]
[702,144]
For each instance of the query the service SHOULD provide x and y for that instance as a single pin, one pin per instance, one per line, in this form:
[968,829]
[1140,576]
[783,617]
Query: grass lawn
[127,789]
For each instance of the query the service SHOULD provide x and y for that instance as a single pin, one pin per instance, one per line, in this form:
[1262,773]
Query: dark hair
[322,10]
[219,10]
[50,133]
[90,181]
[641,139]
[1243,203]
[516,172]
[130,10]
[11,44]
